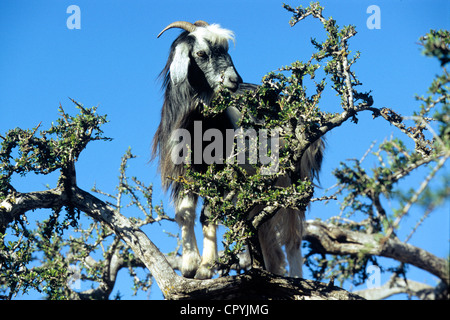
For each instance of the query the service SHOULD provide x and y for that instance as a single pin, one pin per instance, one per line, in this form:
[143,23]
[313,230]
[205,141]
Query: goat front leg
[209,257]
[185,216]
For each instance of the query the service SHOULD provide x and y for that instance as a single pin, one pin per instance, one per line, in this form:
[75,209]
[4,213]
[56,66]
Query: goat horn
[182,25]
[201,23]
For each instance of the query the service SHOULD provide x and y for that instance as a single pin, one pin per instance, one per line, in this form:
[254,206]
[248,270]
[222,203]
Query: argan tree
[339,249]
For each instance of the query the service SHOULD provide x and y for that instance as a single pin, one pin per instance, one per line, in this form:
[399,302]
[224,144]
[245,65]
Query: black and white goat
[197,66]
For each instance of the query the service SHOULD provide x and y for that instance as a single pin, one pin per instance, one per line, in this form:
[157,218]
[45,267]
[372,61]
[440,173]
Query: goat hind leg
[271,248]
[295,259]
[293,232]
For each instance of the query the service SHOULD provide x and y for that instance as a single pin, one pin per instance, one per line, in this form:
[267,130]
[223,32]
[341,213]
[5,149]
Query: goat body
[197,66]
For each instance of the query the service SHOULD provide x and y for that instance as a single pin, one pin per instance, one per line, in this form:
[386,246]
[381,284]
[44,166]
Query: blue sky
[114,60]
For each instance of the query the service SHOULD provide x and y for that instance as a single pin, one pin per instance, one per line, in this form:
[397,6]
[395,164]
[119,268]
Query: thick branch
[331,239]
[412,288]
[17,204]
[260,285]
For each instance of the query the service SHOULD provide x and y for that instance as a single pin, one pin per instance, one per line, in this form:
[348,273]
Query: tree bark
[412,288]
[331,239]
[258,284]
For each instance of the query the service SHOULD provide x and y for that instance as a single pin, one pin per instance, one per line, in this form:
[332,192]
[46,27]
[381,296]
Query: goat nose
[233,83]
[233,79]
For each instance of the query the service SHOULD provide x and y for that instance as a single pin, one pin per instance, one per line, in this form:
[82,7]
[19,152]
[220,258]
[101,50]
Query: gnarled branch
[331,239]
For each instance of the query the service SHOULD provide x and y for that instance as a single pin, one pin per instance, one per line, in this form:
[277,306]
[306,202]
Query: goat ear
[180,63]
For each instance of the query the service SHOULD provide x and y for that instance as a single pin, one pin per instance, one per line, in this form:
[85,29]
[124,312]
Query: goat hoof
[188,273]
[189,264]
[204,272]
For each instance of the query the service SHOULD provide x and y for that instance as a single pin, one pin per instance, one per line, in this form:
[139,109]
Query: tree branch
[412,288]
[331,239]
[17,204]
[261,285]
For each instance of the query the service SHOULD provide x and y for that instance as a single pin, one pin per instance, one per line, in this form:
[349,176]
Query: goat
[197,66]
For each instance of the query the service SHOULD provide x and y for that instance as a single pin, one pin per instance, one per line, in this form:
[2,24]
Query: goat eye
[201,54]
